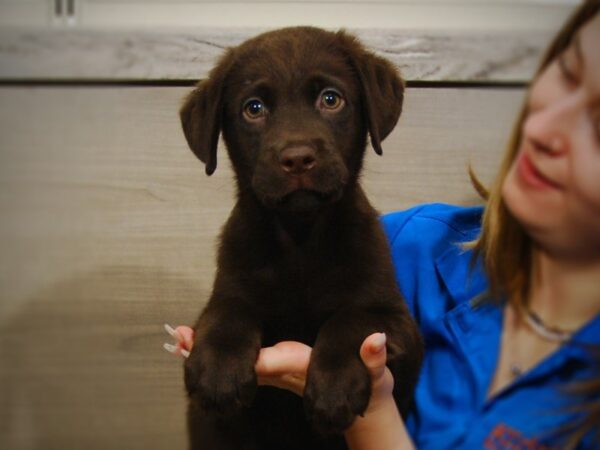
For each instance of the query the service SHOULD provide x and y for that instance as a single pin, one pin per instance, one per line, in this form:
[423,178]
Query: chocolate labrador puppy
[302,256]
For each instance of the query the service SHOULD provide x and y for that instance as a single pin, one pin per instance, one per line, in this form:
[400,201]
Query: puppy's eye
[254,109]
[330,100]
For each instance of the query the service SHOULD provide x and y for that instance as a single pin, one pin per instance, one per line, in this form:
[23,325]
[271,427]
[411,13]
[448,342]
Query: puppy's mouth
[296,183]
[303,200]
[300,194]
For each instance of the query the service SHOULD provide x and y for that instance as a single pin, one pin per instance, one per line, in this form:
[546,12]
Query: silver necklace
[544,331]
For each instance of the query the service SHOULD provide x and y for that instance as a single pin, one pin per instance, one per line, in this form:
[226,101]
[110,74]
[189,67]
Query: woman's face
[553,186]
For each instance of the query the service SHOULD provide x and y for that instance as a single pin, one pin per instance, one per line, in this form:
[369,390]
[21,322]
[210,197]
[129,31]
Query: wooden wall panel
[108,228]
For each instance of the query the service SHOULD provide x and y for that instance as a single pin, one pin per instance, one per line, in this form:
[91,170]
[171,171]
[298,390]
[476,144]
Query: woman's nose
[551,126]
[555,146]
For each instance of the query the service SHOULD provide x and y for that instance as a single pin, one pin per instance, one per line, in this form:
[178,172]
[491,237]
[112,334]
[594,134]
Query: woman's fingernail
[170,347]
[171,331]
[184,353]
[378,343]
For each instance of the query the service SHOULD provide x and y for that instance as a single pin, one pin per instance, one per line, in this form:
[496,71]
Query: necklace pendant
[516,370]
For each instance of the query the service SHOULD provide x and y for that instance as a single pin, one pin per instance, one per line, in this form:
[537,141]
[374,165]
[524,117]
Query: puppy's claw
[184,353]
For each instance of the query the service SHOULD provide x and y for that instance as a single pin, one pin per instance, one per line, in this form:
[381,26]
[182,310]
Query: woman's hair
[506,250]
[504,246]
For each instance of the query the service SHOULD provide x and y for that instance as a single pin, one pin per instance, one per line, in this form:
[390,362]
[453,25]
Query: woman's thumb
[374,355]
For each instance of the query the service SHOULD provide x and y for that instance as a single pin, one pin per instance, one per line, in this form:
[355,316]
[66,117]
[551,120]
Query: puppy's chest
[300,286]
[297,298]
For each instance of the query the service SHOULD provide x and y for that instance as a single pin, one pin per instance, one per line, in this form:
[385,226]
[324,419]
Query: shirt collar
[463,278]
[466,281]
[586,341]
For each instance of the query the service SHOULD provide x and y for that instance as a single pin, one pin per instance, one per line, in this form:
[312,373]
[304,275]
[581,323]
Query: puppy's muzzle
[308,167]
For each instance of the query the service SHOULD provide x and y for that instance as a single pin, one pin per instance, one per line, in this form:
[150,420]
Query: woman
[508,298]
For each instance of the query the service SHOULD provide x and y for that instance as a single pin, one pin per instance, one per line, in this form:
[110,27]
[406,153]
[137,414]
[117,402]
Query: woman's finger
[284,366]
[283,358]
[184,340]
[289,382]
[186,337]
[374,354]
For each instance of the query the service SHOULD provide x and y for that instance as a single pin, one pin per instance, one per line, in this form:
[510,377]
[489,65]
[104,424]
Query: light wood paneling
[108,228]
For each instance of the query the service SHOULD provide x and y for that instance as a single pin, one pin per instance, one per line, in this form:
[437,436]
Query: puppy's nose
[298,159]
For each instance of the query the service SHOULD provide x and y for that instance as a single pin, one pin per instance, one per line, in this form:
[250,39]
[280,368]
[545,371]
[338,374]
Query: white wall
[431,40]
[424,14]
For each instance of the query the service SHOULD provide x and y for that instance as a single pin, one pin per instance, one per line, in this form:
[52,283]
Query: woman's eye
[330,100]
[254,109]
[566,71]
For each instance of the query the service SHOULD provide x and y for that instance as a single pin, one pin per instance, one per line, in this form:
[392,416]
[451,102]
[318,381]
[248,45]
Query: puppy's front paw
[220,382]
[334,396]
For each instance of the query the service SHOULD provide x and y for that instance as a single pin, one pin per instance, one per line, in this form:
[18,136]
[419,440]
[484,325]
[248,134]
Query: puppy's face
[293,120]
[294,107]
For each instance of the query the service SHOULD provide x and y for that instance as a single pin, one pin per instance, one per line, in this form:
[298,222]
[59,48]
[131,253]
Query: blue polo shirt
[462,340]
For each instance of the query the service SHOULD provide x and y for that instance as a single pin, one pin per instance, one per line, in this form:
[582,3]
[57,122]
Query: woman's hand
[184,340]
[284,365]
[381,427]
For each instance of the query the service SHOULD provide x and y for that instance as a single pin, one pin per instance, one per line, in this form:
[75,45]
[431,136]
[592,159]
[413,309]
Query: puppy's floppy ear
[201,114]
[382,89]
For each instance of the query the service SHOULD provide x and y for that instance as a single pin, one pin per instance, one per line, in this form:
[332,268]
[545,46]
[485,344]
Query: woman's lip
[532,176]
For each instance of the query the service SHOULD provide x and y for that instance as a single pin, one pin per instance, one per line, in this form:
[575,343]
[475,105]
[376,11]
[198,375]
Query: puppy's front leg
[219,372]
[338,386]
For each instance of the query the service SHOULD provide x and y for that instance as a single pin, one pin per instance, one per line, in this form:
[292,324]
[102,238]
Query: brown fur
[302,256]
